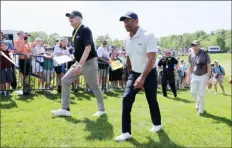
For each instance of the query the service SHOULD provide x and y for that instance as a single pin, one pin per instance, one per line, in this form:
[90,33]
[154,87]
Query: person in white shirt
[141,49]
[38,52]
[59,50]
[104,59]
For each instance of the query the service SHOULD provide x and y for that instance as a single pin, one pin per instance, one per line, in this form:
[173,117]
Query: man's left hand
[139,82]
[77,70]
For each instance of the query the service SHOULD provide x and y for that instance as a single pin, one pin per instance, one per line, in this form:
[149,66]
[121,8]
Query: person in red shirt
[6,73]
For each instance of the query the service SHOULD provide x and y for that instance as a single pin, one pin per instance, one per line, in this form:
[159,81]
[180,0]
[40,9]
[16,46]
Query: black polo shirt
[168,65]
[83,38]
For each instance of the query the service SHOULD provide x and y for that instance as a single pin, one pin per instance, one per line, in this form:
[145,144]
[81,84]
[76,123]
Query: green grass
[27,121]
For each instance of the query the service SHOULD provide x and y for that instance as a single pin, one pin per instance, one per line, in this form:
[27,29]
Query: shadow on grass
[7,103]
[164,142]
[69,119]
[100,129]
[227,95]
[27,98]
[180,100]
[218,119]
[82,95]
[113,93]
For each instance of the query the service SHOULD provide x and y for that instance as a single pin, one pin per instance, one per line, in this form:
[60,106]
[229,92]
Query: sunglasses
[168,53]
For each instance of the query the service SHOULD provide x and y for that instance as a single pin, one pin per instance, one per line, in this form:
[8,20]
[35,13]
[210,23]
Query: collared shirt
[82,39]
[168,64]
[103,53]
[199,62]
[137,48]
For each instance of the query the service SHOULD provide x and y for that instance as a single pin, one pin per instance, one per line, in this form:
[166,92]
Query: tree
[40,34]
[116,43]
[52,38]
[100,38]
[220,42]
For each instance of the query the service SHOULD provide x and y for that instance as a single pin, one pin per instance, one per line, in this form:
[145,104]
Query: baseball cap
[74,13]
[104,41]
[5,42]
[129,15]
[195,43]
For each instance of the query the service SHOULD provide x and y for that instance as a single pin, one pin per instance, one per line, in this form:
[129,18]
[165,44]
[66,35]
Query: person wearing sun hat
[218,72]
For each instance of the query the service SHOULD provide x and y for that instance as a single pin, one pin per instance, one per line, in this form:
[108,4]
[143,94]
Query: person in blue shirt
[11,46]
[182,73]
[218,72]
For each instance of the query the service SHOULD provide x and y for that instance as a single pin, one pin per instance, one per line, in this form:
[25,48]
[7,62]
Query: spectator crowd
[36,59]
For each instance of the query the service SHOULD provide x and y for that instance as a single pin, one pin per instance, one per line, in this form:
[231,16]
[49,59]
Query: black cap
[129,15]
[74,13]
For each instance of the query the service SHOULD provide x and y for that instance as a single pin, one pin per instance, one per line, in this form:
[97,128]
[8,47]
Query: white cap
[38,39]
[216,61]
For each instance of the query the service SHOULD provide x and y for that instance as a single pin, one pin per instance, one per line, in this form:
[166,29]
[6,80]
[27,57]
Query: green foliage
[44,36]
[220,38]
[115,42]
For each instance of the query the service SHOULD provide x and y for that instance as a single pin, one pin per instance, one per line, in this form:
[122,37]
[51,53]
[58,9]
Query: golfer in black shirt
[86,63]
[168,62]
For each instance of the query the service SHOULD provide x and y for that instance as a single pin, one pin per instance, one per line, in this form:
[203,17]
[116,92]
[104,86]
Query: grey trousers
[90,72]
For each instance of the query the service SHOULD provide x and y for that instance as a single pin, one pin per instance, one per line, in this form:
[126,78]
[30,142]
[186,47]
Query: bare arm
[48,56]
[189,71]
[85,55]
[128,63]
[177,66]
[11,55]
[149,65]
[209,69]
[102,59]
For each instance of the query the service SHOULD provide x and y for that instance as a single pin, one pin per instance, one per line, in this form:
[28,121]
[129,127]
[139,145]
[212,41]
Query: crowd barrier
[31,75]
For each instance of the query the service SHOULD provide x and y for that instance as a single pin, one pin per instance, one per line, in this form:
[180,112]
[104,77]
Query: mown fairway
[27,122]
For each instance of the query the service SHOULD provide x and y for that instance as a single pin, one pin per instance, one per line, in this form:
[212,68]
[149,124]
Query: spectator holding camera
[218,72]
[23,47]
